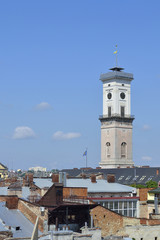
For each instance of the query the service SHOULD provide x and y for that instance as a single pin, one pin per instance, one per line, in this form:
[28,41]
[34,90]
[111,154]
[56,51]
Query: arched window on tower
[123,150]
[108,149]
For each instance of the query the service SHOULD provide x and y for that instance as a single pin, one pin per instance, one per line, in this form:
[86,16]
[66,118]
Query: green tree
[151,184]
[138,185]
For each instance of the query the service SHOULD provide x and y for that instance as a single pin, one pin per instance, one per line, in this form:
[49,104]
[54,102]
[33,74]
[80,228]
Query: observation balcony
[117,117]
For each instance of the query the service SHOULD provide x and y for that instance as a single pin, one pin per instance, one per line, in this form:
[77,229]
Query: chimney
[157,172]
[110,178]
[12,202]
[93,178]
[62,178]
[83,175]
[55,178]
[30,178]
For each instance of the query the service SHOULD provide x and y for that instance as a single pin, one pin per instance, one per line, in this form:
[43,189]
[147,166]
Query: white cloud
[23,132]
[146,158]
[59,135]
[146,127]
[43,106]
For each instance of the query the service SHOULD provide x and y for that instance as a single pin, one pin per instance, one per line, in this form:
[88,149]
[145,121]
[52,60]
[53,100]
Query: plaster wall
[116,133]
[115,88]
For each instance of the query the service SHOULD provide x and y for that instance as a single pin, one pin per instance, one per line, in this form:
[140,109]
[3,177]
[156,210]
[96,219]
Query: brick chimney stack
[12,202]
[93,178]
[55,178]
[110,178]
[83,175]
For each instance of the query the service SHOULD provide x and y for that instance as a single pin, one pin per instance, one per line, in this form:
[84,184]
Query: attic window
[142,178]
[120,178]
[18,228]
[135,178]
[127,178]
[150,178]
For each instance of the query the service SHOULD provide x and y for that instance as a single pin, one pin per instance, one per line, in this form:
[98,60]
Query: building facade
[3,171]
[116,121]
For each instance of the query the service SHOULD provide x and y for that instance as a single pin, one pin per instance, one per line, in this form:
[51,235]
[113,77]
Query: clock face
[109,95]
[122,95]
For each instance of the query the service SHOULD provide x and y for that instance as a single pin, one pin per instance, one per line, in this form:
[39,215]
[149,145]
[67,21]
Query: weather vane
[115,52]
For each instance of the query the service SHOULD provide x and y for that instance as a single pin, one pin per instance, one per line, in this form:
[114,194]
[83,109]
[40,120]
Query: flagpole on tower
[86,157]
[115,52]
[85,154]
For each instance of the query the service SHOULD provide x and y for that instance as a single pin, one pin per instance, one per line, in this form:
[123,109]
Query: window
[120,178]
[126,208]
[135,178]
[123,149]
[18,228]
[142,178]
[108,146]
[109,111]
[122,111]
[150,178]
[128,178]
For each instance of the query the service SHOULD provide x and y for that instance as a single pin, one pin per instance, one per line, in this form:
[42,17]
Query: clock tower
[116,121]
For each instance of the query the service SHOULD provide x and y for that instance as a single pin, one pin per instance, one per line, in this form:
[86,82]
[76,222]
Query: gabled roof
[43,182]
[3,167]
[25,192]
[15,218]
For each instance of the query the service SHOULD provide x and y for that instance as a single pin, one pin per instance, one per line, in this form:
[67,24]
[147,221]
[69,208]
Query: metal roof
[43,182]
[2,227]
[157,190]
[101,185]
[15,218]
[25,191]
[138,175]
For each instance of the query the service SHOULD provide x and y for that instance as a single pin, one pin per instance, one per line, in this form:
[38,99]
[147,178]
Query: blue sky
[51,56]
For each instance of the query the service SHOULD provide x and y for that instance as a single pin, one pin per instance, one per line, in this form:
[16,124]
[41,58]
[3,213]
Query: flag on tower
[85,153]
[116,50]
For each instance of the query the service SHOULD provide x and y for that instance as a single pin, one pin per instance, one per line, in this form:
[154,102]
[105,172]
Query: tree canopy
[149,184]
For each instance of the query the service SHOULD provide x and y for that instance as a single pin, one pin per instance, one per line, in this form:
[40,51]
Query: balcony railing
[115,115]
